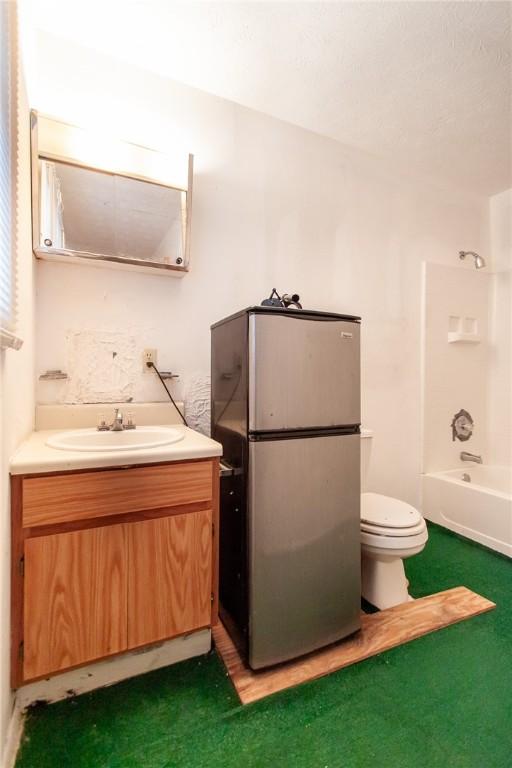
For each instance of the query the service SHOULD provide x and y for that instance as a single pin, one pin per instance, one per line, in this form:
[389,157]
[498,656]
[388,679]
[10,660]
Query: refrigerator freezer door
[303,373]
[304,545]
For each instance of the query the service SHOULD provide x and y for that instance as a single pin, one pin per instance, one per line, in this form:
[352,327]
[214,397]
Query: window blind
[7,178]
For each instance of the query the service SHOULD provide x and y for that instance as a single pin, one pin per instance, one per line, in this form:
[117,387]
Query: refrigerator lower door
[304,545]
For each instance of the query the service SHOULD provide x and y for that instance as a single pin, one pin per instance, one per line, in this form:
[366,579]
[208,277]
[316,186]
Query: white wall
[274,205]
[500,356]
[16,406]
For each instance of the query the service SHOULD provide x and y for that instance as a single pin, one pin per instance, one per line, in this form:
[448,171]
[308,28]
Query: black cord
[152,365]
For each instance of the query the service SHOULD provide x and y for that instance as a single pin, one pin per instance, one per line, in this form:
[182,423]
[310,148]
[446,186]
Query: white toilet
[391,530]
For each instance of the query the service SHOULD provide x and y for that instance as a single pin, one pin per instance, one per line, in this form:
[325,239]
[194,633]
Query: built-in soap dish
[465,338]
[463,330]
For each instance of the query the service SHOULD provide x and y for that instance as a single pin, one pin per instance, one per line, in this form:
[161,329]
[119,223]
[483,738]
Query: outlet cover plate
[148,356]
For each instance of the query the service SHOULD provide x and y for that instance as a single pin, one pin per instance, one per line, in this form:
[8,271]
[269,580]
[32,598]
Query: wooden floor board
[379,632]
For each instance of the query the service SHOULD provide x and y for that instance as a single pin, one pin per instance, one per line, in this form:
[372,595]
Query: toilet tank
[366,450]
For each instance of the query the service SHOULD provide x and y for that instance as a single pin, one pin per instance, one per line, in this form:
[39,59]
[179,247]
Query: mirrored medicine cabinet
[109,202]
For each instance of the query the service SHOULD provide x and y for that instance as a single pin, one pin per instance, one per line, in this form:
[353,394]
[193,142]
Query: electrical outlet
[148,356]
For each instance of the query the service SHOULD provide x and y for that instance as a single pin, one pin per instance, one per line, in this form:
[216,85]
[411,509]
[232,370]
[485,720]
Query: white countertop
[34,456]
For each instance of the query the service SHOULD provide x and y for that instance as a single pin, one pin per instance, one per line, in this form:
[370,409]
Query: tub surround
[462,376]
[500,369]
[455,374]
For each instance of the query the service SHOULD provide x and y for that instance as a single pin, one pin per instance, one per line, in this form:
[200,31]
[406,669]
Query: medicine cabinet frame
[55,149]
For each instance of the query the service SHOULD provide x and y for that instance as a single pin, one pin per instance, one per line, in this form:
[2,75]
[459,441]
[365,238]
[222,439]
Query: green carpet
[443,700]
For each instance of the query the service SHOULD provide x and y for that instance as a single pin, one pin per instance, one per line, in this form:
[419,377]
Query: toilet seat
[395,544]
[378,530]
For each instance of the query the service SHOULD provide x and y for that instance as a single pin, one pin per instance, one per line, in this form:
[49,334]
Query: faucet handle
[130,424]
[102,425]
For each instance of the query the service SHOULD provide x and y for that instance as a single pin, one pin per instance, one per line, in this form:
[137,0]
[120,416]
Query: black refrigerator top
[314,314]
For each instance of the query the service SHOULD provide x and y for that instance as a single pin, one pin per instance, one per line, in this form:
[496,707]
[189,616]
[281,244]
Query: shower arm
[479,260]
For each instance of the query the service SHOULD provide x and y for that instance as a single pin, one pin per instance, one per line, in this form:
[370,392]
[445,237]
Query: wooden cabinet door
[169,576]
[75,598]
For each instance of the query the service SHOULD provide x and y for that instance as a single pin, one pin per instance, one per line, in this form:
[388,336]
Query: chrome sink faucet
[465,456]
[118,425]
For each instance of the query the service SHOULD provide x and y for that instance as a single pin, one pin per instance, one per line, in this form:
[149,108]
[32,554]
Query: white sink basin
[127,440]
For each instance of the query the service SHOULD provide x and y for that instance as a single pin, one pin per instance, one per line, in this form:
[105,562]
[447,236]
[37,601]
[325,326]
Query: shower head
[479,260]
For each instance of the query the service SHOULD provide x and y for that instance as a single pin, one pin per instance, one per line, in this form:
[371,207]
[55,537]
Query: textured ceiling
[426,85]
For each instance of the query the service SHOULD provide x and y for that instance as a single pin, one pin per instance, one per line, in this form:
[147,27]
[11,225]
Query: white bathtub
[479,508]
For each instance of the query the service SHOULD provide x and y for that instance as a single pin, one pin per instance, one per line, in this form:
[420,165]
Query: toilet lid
[384,511]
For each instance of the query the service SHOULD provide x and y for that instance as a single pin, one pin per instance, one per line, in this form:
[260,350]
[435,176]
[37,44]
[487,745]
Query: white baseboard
[12,742]
[98,675]
[106,673]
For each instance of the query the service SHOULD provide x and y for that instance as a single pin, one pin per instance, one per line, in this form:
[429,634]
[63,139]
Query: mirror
[94,212]
[107,215]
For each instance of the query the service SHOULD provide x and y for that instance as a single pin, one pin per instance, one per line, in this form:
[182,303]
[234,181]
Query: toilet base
[383,581]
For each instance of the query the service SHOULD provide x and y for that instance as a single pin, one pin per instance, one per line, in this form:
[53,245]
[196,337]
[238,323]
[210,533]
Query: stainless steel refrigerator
[286,408]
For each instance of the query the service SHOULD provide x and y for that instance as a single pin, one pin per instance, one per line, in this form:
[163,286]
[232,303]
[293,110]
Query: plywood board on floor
[379,632]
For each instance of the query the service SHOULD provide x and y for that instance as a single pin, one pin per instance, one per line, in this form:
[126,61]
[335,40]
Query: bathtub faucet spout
[465,456]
